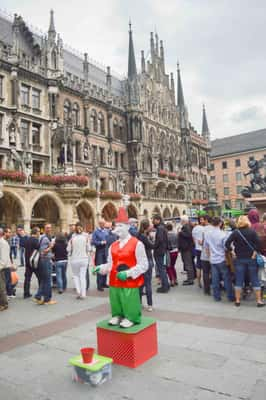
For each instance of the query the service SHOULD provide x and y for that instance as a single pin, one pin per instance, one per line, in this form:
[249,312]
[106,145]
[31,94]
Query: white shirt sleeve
[142,262]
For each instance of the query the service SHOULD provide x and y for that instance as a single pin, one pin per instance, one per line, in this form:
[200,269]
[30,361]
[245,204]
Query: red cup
[87,354]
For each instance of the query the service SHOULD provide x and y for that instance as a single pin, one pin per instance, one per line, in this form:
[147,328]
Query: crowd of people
[216,259]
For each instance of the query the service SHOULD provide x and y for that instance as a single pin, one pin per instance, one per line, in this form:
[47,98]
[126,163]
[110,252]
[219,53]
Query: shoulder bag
[259,257]
[35,257]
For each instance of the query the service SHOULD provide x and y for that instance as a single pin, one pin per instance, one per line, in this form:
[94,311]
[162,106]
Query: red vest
[125,255]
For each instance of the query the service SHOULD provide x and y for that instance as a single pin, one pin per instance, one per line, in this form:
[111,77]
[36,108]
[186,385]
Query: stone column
[73,155]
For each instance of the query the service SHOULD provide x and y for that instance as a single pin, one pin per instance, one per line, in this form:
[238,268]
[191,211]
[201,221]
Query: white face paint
[121,230]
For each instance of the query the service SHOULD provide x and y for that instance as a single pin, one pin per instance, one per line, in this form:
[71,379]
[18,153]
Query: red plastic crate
[129,347]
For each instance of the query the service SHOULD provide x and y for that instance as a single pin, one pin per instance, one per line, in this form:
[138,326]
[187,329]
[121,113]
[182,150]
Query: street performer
[126,263]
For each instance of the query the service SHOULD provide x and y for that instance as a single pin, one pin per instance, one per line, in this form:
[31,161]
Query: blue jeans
[100,258]
[45,288]
[9,288]
[147,283]
[61,278]
[13,252]
[22,257]
[243,266]
[221,271]
[159,259]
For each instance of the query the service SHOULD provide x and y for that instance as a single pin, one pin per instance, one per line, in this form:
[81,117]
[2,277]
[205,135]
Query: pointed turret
[51,31]
[152,48]
[180,95]
[86,71]
[132,69]
[109,80]
[162,56]
[157,44]
[205,128]
[172,85]
[143,66]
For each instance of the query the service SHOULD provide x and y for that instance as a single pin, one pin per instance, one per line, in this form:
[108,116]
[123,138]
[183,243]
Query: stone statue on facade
[138,185]
[86,152]
[12,135]
[121,185]
[110,157]
[257,181]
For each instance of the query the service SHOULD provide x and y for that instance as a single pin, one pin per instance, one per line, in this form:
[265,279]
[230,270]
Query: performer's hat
[122,216]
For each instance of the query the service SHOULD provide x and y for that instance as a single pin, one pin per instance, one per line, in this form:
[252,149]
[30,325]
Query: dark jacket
[60,250]
[161,240]
[185,239]
[241,248]
[23,240]
[32,243]
[148,244]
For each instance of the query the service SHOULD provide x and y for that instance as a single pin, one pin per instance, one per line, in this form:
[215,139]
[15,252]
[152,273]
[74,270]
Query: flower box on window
[163,173]
[172,175]
[110,195]
[135,196]
[59,180]
[15,176]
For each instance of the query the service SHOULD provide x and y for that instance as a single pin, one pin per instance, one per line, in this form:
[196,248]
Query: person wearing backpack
[246,245]
[32,243]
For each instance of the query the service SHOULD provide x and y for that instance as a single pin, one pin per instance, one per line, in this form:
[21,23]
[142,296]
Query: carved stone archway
[166,213]
[11,210]
[86,215]
[109,212]
[46,210]
[132,211]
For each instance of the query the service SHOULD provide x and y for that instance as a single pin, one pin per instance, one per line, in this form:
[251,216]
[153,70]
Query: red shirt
[125,255]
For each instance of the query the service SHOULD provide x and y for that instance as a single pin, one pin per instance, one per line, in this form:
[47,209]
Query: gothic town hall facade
[74,137]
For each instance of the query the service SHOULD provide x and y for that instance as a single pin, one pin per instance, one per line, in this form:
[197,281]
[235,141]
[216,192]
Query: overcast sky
[220,45]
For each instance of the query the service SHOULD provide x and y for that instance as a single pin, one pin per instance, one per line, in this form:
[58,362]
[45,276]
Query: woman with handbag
[246,248]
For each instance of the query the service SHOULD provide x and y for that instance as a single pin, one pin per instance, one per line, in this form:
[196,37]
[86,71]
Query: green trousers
[125,303]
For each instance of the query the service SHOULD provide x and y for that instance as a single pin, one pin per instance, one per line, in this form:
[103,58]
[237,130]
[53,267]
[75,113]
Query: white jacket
[5,261]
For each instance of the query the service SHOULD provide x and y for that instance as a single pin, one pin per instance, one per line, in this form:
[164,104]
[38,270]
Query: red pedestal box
[129,347]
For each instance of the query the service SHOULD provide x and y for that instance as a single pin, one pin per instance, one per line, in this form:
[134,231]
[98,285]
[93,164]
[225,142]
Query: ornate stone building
[64,116]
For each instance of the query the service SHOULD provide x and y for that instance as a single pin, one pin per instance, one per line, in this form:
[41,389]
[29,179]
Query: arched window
[171,165]
[121,130]
[76,115]
[101,123]
[115,129]
[54,59]
[67,110]
[94,122]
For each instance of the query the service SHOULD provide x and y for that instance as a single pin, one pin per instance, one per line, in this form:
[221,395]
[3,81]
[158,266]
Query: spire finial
[130,25]
[132,69]
[205,128]
[180,95]
[51,31]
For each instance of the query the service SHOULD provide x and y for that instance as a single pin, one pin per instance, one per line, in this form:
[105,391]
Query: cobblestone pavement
[207,350]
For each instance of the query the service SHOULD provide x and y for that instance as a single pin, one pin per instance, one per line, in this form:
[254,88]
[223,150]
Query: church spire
[180,95]
[51,31]
[132,69]
[205,128]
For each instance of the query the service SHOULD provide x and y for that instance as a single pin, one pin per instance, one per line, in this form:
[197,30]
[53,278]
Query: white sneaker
[149,308]
[114,321]
[125,323]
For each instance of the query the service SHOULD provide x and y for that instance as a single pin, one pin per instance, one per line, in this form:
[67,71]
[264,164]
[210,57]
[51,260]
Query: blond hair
[243,222]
